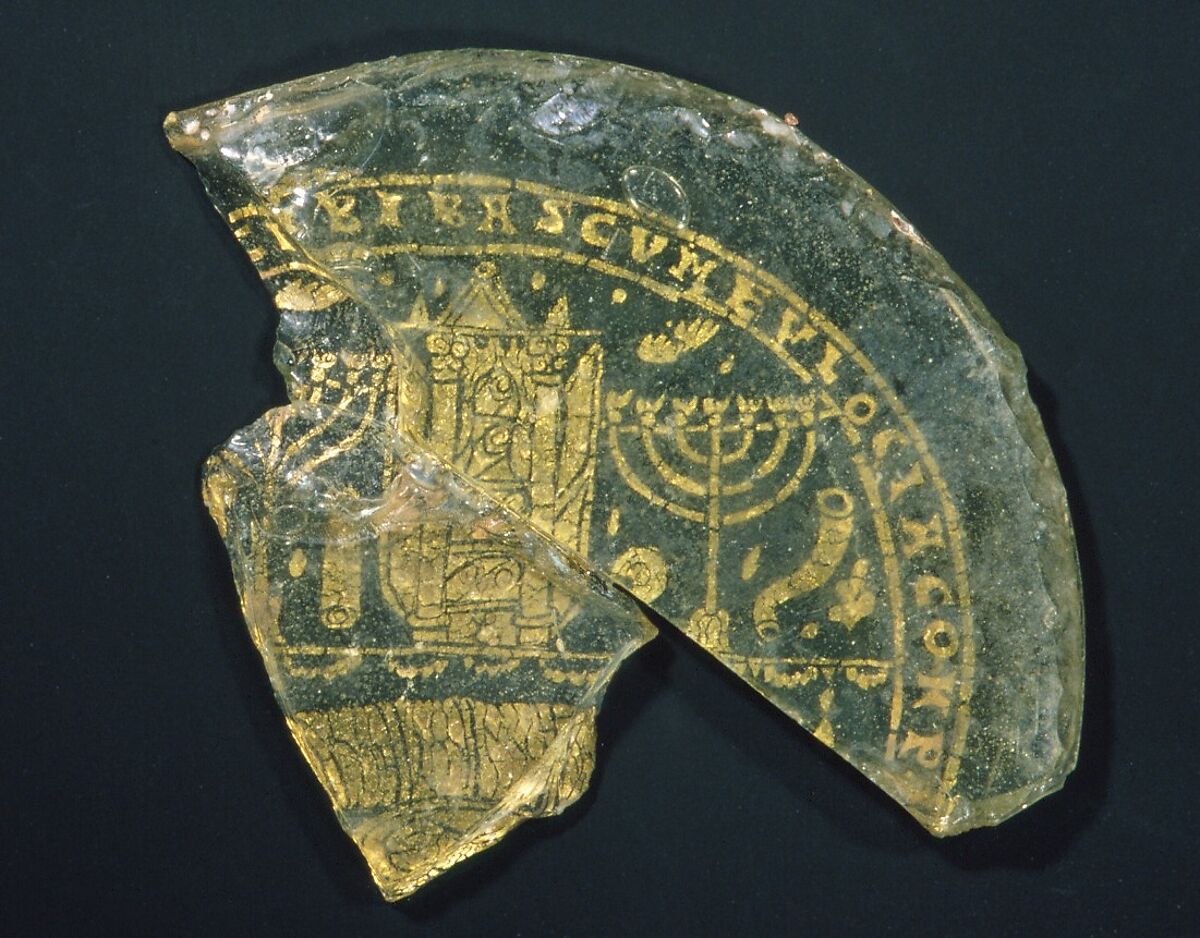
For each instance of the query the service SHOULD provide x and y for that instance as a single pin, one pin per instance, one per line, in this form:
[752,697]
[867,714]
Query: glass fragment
[548,323]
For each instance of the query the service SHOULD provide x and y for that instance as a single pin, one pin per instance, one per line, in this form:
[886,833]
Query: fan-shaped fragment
[660,337]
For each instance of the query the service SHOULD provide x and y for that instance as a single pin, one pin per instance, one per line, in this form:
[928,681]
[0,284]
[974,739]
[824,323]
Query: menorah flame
[715,461]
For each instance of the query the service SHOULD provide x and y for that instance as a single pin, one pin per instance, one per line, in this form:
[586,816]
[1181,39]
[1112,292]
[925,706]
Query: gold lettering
[826,368]
[941,639]
[935,690]
[746,299]
[910,479]
[590,231]
[885,438]
[919,536]
[926,749]
[551,220]
[495,211]
[340,210]
[447,208]
[645,246]
[859,408]
[927,584]
[689,262]
[389,207]
[794,327]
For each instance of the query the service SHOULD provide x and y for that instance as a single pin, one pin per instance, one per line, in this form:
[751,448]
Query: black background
[150,786]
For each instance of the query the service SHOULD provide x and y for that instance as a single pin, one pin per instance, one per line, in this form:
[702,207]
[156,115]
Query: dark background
[150,786]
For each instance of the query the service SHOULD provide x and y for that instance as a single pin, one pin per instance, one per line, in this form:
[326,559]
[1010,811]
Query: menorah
[716,461]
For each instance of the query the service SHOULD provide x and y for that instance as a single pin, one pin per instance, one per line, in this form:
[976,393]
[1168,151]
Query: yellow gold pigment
[552,327]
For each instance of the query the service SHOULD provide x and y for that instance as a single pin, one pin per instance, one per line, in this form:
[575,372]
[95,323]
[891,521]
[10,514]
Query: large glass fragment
[692,352]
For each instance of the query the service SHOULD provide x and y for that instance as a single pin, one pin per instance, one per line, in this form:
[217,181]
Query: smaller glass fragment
[435,733]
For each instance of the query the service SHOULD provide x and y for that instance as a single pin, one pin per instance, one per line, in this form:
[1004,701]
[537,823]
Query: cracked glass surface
[550,324]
